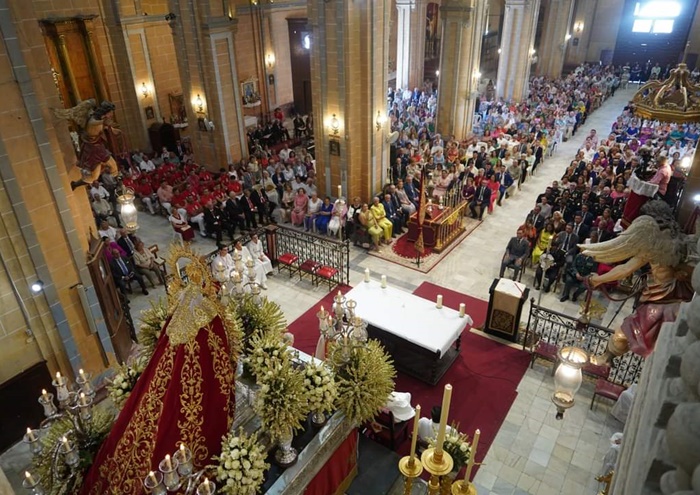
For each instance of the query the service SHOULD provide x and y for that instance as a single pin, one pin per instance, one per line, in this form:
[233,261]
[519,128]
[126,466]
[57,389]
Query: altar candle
[83,399]
[168,464]
[59,378]
[30,435]
[470,464]
[438,303]
[207,486]
[416,418]
[44,395]
[383,281]
[81,372]
[446,396]
[30,478]
[153,478]
[340,190]
[366,274]
[462,310]
[66,444]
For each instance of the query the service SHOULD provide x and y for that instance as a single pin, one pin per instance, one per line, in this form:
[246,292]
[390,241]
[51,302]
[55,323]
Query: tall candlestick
[30,435]
[470,464]
[383,281]
[462,310]
[438,303]
[366,274]
[416,418]
[30,478]
[446,397]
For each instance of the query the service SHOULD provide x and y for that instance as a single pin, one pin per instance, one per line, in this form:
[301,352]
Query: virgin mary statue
[185,394]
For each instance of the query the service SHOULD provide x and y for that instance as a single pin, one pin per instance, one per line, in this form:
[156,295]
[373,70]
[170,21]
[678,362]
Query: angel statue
[653,239]
[97,135]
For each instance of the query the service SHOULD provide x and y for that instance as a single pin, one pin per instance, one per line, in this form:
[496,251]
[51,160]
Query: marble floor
[533,453]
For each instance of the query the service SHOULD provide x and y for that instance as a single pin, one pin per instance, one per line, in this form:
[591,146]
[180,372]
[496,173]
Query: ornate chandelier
[342,325]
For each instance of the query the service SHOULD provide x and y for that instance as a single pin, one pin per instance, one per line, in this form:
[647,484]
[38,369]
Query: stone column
[403,41]
[416,64]
[349,53]
[463,25]
[517,48]
[555,38]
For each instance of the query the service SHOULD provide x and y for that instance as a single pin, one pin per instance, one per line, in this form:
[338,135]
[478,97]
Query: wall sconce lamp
[144,90]
[270,60]
[499,51]
[335,125]
[37,286]
[477,74]
[578,27]
[379,122]
[200,104]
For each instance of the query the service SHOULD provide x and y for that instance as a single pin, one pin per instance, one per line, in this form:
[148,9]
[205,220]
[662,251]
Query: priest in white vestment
[260,273]
[257,251]
[222,265]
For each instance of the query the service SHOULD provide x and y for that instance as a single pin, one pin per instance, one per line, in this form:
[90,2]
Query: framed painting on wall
[150,114]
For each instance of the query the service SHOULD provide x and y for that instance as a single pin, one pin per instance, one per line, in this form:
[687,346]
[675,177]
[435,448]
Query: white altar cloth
[410,317]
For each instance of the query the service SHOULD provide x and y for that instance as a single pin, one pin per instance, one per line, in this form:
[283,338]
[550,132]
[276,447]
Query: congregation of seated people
[587,204]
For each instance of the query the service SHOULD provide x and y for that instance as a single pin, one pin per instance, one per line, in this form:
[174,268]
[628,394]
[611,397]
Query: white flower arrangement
[320,387]
[241,465]
[457,445]
[123,382]
[266,350]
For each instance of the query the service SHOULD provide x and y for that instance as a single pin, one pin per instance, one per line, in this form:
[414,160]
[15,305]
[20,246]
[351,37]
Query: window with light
[656,16]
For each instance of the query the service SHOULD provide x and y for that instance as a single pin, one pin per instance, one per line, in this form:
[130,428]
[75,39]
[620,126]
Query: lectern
[506,302]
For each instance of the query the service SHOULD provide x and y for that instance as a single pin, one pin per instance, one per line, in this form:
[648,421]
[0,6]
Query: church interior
[357,247]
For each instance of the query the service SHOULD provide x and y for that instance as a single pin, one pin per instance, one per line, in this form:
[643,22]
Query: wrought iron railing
[559,329]
[245,239]
[321,249]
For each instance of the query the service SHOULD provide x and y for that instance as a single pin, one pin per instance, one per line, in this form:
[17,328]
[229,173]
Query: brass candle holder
[438,464]
[411,470]
[461,487]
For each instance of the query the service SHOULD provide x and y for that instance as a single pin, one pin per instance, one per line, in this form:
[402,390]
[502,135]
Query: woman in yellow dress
[543,243]
[370,223]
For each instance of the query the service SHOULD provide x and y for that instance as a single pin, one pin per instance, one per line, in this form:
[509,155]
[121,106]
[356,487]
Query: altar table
[423,340]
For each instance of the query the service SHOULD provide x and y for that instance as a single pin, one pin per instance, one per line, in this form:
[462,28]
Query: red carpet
[484,377]
[406,249]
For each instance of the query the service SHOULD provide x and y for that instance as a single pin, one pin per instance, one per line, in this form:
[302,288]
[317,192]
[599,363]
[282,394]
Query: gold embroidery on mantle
[191,408]
[220,362]
[130,462]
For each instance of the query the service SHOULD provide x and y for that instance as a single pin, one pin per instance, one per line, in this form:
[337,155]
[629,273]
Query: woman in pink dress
[301,204]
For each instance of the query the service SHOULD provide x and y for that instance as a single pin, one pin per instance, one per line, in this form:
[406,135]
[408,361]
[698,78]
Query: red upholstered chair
[606,389]
[545,351]
[288,261]
[326,273]
[309,267]
[597,370]
[385,430]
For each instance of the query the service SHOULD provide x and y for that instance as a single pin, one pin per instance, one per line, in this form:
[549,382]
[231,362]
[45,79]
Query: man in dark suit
[586,216]
[568,242]
[392,215]
[127,242]
[536,218]
[123,273]
[411,192]
[262,203]
[581,230]
[548,276]
[234,214]
[482,197]
[245,203]
[213,220]
[516,252]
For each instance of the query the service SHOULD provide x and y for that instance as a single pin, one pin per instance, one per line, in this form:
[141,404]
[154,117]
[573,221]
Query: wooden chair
[326,274]
[309,267]
[385,430]
[606,389]
[546,351]
[288,261]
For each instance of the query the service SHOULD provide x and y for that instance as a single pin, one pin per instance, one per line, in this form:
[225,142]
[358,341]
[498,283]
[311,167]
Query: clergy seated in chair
[390,426]
[428,428]
[517,250]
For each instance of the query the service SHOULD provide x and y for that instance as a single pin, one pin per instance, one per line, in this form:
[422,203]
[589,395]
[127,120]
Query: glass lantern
[129,213]
[568,377]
